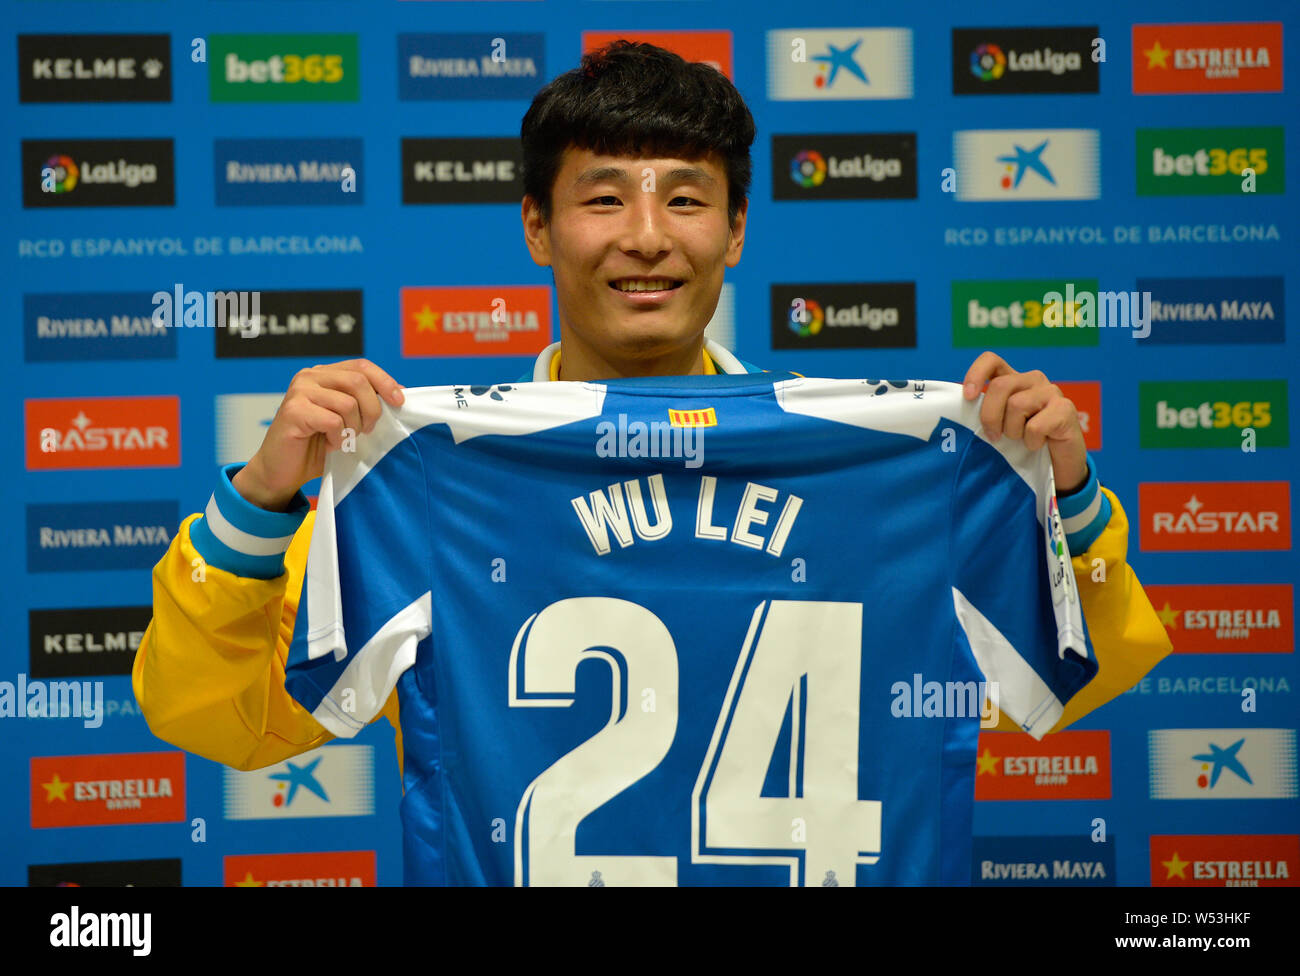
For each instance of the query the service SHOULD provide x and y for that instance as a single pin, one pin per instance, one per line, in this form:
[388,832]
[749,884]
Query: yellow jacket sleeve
[209,672]
[1127,636]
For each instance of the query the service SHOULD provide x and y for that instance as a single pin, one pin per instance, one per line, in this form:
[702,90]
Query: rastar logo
[480,321]
[79,791]
[1215,515]
[1225,860]
[317,869]
[1065,766]
[1188,58]
[1086,397]
[103,432]
[1222,764]
[1254,618]
[711,47]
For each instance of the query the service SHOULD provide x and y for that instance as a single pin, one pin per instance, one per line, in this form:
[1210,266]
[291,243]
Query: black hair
[634,99]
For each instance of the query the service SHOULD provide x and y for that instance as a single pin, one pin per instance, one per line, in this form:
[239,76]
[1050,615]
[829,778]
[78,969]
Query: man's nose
[647,231]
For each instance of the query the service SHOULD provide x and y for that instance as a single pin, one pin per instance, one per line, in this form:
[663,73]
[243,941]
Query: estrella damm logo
[1017,313]
[284,68]
[693,418]
[1213,414]
[1204,162]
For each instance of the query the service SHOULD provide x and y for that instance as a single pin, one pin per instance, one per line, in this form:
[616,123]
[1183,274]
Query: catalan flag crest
[693,418]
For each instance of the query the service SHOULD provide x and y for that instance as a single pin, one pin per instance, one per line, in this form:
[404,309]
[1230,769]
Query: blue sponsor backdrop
[1195,250]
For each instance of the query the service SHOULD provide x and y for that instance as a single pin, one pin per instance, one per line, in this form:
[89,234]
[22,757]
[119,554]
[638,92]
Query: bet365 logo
[1183,162]
[283,67]
[1214,414]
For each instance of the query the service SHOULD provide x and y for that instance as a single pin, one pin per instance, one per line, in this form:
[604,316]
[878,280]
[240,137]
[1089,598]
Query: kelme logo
[1015,313]
[1239,414]
[284,67]
[1185,162]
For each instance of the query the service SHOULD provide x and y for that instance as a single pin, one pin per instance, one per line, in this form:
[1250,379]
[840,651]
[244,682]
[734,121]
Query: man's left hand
[1026,406]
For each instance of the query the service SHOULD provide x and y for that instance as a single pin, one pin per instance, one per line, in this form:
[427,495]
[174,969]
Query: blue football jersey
[691,630]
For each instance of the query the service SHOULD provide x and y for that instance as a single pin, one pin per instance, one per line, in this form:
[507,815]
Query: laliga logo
[60,174]
[987,62]
[808,168]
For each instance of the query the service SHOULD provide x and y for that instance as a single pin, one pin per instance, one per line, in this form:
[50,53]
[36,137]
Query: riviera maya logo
[806,317]
[808,168]
[65,173]
[987,62]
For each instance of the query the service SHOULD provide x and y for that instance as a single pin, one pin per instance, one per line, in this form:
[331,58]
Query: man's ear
[537,234]
[736,239]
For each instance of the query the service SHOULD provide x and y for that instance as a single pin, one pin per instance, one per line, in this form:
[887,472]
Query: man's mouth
[645,284]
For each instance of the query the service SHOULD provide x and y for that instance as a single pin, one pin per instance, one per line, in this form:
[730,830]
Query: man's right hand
[322,401]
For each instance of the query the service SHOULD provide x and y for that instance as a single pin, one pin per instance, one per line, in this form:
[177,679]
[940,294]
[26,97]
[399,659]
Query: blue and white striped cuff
[1084,512]
[237,536]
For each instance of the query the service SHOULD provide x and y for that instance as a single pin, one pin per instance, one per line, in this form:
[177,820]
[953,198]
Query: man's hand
[1026,406]
[322,401]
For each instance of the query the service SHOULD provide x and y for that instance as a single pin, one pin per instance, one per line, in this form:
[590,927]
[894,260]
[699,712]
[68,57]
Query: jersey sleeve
[1017,608]
[366,602]
[209,674]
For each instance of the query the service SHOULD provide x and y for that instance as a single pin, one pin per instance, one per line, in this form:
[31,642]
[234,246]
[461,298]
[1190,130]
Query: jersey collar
[717,359]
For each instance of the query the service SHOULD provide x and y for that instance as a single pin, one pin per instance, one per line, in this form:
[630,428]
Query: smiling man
[636,178]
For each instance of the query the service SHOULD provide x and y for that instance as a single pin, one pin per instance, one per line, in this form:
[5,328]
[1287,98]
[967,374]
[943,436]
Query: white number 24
[794,649]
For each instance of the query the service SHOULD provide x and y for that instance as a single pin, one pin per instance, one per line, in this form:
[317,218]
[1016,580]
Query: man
[636,169]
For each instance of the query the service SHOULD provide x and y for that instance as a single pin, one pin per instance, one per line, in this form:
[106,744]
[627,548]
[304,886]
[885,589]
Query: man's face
[617,220]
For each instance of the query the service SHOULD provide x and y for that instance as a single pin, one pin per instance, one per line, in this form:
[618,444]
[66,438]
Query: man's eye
[601,200]
[691,201]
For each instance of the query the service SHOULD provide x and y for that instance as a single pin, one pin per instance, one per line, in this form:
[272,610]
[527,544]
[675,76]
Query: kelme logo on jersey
[1014,313]
[1192,58]
[288,172]
[94,68]
[162,872]
[323,324]
[851,63]
[82,791]
[501,65]
[284,67]
[469,170]
[1071,765]
[1225,860]
[85,641]
[1024,60]
[103,432]
[1222,764]
[1226,618]
[329,781]
[1035,861]
[867,166]
[1240,414]
[98,173]
[1215,310]
[998,165]
[316,869]
[80,326]
[505,320]
[711,47]
[1194,516]
[1202,162]
[874,315]
[94,536]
